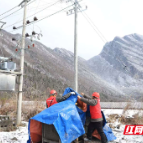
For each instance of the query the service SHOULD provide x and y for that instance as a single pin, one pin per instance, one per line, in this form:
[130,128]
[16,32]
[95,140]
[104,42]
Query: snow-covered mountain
[54,68]
[121,64]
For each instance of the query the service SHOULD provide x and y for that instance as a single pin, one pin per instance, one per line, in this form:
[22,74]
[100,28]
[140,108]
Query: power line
[41,6]
[47,16]
[11,14]
[45,8]
[33,9]
[34,14]
[53,14]
[15,11]
[94,28]
[8,10]
[31,2]
[104,40]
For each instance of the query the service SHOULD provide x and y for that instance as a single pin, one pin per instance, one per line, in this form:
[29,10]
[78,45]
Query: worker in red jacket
[96,116]
[53,99]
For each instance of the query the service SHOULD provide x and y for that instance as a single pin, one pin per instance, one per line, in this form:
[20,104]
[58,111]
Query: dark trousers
[99,126]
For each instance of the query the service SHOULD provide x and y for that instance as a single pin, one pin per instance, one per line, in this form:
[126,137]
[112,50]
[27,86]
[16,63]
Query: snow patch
[18,136]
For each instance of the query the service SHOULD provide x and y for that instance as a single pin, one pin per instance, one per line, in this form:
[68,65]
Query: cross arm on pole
[23,2]
[3,23]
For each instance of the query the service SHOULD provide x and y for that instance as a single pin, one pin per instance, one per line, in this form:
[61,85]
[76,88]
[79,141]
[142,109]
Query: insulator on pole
[14,27]
[27,35]
[13,39]
[35,18]
[33,33]
[27,22]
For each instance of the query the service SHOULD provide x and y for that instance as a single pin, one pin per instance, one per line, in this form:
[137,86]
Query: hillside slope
[54,68]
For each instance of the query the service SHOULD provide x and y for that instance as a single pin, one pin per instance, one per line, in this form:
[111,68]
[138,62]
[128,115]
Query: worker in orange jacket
[53,99]
[96,116]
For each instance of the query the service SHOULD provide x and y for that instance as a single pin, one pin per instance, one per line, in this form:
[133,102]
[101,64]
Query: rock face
[54,69]
[121,64]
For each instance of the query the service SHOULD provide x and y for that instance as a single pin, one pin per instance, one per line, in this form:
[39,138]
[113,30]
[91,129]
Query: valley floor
[21,134]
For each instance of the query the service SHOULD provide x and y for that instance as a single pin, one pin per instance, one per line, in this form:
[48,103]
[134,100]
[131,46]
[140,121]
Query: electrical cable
[46,16]
[52,14]
[93,26]
[11,14]
[15,11]
[95,29]
[104,40]
[8,10]
[31,9]
[34,14]
[42,6]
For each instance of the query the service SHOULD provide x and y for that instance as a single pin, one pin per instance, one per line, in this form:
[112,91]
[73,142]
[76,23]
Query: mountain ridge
[123,58]
[47,68]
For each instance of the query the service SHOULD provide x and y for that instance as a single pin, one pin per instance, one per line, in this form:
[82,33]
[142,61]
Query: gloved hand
[79,97]
[72,93]
[82,94]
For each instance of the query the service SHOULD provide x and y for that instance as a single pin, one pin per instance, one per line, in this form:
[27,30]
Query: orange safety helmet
[52,92]
[96,94]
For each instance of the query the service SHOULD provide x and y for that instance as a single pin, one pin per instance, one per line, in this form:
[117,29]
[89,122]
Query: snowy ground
[119,132]
[18,136]
[21,134]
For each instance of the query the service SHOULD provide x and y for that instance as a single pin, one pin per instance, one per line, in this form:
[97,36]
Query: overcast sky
[112,17]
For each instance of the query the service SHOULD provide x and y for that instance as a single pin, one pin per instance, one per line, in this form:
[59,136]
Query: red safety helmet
[96,94]
[52,92]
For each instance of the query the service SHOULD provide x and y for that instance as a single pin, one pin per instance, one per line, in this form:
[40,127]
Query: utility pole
[19,99]
[77,8]
[75,50]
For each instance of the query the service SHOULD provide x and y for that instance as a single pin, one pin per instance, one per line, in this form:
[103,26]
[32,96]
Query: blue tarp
[109,134]
[62,115]
[67,118]
[74,99]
